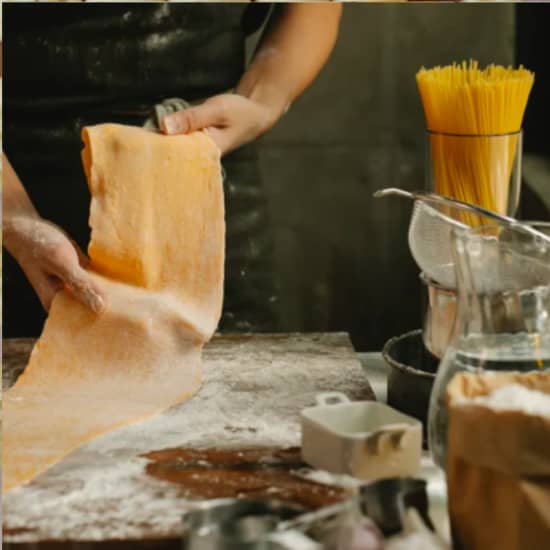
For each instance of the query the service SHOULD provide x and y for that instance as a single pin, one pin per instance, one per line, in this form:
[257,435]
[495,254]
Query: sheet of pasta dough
[157,250]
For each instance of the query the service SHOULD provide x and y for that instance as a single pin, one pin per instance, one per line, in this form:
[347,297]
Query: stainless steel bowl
[441,308]
[439,317]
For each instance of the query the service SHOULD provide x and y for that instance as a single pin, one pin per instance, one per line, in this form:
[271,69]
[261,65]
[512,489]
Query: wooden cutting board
[239,436]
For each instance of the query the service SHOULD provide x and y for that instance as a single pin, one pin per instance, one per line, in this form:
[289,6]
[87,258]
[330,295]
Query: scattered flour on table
[513,397]
[100,491]
[85,509]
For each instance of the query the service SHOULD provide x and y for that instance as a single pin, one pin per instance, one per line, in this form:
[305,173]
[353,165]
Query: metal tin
[242,524]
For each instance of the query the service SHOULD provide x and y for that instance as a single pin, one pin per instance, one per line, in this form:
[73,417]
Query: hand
[50,261]
[230,119]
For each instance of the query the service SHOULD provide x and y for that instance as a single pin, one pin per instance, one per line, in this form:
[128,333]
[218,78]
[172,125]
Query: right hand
[50,261]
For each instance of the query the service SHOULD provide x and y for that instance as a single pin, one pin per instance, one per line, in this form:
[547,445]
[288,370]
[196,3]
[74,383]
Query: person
[68,65]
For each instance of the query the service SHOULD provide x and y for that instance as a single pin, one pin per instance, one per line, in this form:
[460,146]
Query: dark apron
[71,65]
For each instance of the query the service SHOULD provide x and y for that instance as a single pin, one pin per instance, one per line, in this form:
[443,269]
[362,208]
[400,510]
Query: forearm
[292,53]
[15,203]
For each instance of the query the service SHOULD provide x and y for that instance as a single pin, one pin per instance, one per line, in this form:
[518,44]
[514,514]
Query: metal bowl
[439,327]
[439,318]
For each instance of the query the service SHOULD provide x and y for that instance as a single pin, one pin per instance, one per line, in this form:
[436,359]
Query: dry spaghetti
[474,117]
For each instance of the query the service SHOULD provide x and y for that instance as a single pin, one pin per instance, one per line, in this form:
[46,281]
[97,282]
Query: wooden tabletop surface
[239,435]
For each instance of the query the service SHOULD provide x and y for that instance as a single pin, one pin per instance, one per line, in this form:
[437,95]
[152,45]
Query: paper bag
[498,469]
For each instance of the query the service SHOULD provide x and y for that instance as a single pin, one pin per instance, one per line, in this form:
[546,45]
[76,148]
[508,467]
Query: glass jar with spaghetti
[475,117]
[478,169]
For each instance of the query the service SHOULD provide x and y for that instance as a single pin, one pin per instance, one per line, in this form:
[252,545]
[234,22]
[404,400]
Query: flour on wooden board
[251,396]
[104,486]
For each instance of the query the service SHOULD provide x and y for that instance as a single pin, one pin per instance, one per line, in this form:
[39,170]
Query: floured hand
[50,260]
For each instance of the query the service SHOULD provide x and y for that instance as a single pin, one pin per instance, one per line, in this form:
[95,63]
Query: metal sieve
[433,221]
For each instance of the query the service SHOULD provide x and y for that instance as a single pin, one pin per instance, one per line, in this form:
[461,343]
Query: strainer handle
[428,196]
[434,197]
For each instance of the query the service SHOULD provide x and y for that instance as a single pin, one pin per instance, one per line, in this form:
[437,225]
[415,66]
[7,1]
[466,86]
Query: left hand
[50,260]
[230,119]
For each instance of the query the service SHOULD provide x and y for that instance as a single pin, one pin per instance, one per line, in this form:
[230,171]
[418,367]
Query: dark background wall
[531,50]
[342,255]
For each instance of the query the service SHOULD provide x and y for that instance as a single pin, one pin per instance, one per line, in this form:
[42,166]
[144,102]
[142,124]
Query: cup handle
[331,398]
[389,436]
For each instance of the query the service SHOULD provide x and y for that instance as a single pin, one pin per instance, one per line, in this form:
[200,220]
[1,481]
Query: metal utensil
[386,502]
[241,524]
[434,219]
[322,514]
[437,199]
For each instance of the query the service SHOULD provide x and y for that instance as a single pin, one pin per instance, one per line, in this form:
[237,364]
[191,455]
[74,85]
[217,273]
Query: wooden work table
[239,435]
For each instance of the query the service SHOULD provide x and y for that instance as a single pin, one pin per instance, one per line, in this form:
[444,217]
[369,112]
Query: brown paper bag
[498,469]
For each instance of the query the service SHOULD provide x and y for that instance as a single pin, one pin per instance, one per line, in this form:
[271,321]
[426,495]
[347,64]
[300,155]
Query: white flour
[251,396]
[514,397]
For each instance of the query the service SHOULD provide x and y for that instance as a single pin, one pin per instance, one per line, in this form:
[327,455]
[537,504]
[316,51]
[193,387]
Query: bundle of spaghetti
[474,117]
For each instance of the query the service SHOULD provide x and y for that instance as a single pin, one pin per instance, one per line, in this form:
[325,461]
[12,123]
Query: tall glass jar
[503,313]
[478,169]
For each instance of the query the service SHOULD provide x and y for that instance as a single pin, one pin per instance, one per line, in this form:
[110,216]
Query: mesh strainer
[507,259]
[433,221]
